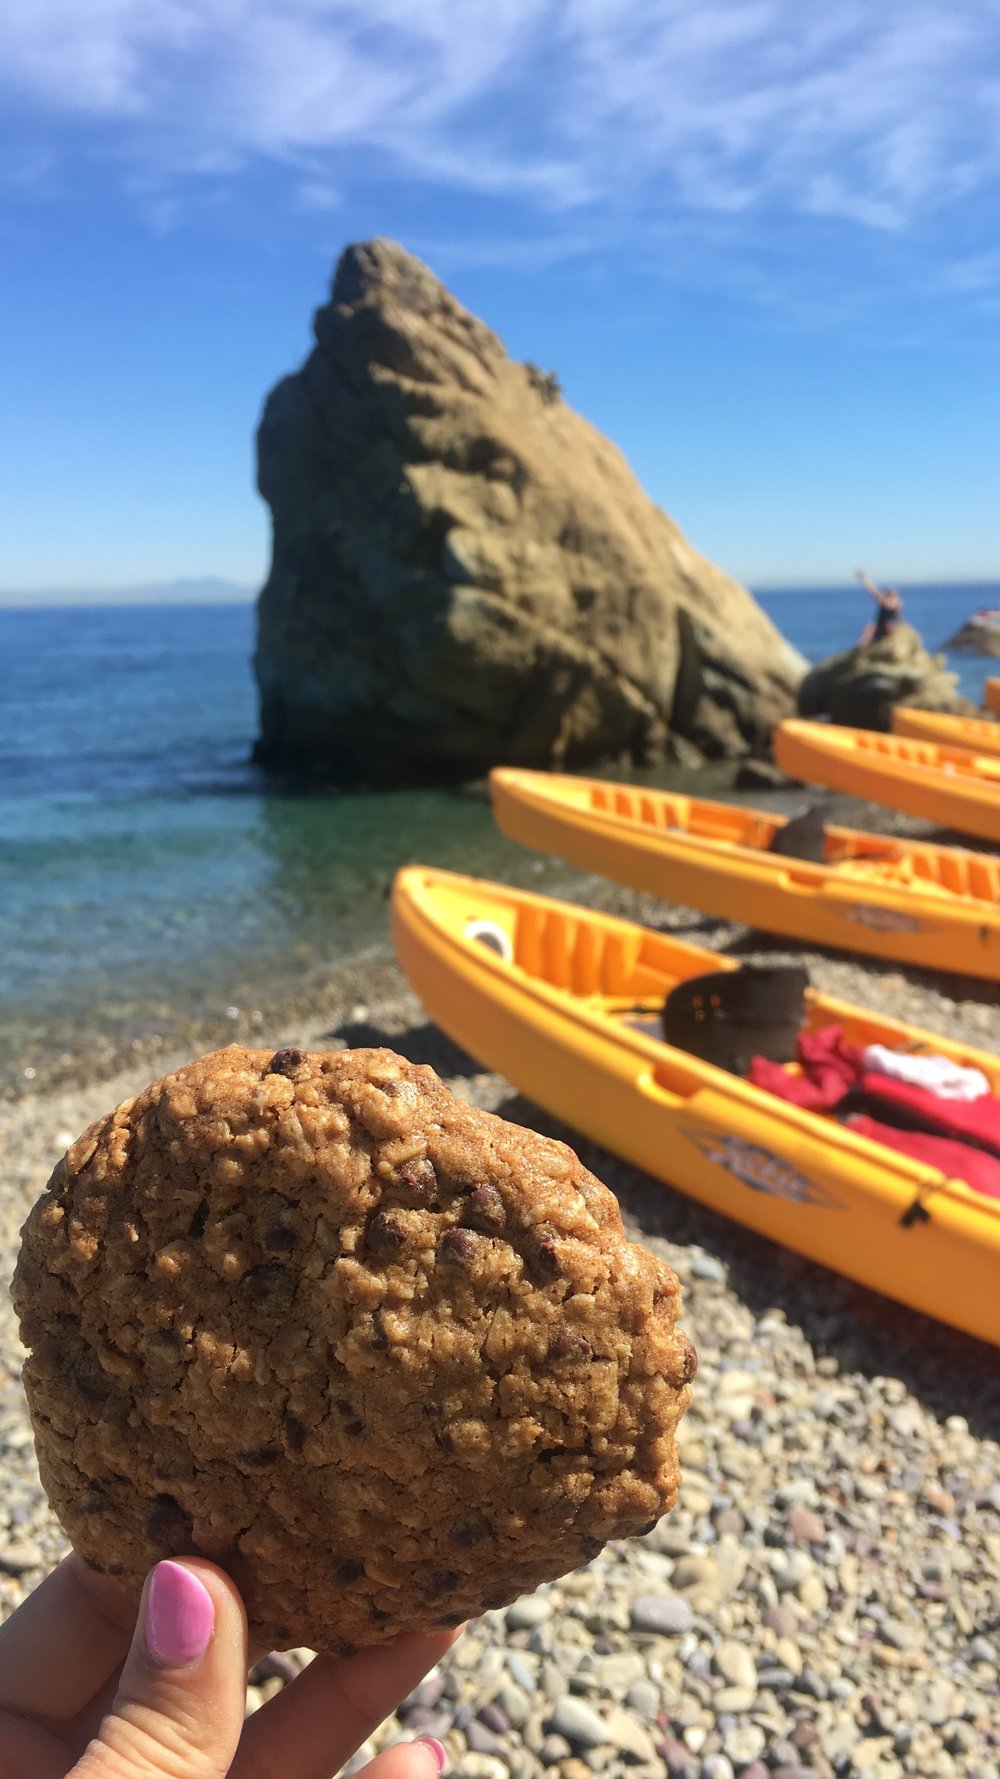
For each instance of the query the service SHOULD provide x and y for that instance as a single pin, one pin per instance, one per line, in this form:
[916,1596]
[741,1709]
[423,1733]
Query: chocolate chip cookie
[388,1359]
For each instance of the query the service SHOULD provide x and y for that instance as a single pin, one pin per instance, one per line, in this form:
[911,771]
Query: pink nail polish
[180,1616]
[436,1749]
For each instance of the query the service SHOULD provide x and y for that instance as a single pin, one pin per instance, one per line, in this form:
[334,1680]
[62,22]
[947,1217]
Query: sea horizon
[221,590]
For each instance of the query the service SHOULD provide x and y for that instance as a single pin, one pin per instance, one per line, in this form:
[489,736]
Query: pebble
[578,1722]
[17,1559]
[743,1744]
[735,1662]
[677,1758]
[625,1734]
[643,1698]
[554,1749]
[806,1525]
[705,1266]
[483,1766]
[533,1610]
[717,1766]
[515,1703]
[666,1614]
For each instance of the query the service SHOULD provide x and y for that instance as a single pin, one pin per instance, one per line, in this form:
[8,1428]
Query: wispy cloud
[879,116]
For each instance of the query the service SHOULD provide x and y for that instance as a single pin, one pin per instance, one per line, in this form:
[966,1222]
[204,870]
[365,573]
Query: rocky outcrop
[860,687]
[976,637]
[465,572]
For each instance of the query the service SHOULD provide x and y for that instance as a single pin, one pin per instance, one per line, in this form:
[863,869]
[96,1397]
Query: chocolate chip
[349,1571]
[262,1457]
[294,1431]
[450,1620]
[484,1209]
[467,1532]
[385,1233]
[689,1363]
[89,1378]
[279,1238]
[418,1177]
[198,1221]
[440,1581]
[169,1526]
[459,1245]
[377,1614]
[546,1256]
[271,1285]
[354,1428]
[565,1346]
[285,1062]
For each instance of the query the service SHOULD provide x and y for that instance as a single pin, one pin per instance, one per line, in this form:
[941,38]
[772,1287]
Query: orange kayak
[952,786]
[907,901]
[563,1000]
[977,733]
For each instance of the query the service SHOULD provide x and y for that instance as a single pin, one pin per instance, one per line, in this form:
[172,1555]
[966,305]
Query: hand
[89,1691]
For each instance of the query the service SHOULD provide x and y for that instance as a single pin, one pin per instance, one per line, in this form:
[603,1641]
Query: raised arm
[868,585]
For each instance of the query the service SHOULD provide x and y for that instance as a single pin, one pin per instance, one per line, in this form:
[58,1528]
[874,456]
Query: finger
[180,1701]
[317,1722]
[88,1721]
[63,1643]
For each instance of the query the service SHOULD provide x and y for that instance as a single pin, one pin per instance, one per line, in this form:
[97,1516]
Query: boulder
[465,572]
[860,687]
[976,637]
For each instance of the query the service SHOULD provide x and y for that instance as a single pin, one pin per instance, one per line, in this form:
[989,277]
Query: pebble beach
[824,1600]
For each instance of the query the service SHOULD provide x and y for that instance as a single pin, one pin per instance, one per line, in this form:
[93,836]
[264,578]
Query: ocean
[151,876]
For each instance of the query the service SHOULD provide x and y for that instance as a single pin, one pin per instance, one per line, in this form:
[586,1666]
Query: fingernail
[436,1749]
[180,1616]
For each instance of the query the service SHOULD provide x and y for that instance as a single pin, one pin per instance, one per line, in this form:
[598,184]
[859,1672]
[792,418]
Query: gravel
[825,1598]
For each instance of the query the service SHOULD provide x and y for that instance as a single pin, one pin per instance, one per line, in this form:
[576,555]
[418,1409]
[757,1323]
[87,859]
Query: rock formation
[860,687]
[976,637]
[465,572]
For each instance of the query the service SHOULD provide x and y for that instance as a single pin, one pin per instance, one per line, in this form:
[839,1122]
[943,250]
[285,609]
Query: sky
[757,242]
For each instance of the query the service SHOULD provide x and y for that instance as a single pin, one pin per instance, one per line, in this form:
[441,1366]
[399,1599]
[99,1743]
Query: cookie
[387,1358]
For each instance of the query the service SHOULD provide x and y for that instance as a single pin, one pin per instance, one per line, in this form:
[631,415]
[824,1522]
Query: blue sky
[758,242]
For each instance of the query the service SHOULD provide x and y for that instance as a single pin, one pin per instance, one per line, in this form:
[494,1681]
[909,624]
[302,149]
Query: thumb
[179,1709]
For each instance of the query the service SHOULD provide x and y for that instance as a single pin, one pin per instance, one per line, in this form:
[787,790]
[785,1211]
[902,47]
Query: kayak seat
[728,1017]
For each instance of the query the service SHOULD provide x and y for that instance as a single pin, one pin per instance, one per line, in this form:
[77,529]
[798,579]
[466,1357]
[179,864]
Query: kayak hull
[950,786]
[544,1016]
[976,733]
[714,857]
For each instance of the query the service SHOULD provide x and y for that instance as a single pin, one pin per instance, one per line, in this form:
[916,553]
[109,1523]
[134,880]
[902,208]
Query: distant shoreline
[196,590]
[207,590]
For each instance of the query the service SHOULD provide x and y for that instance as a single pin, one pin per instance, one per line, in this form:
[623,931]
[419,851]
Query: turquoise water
[148,872]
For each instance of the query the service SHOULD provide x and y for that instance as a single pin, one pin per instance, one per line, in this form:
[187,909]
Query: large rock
[466,572]
[860,687]
[976,637]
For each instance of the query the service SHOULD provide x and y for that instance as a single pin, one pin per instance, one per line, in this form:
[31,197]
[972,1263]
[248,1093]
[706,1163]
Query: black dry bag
[730,1016]
[803,835]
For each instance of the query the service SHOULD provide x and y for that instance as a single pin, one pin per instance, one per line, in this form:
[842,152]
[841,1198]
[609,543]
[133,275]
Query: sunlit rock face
[465,572]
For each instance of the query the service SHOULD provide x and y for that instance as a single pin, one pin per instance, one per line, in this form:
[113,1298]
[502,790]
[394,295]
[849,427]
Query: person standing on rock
[890,605]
